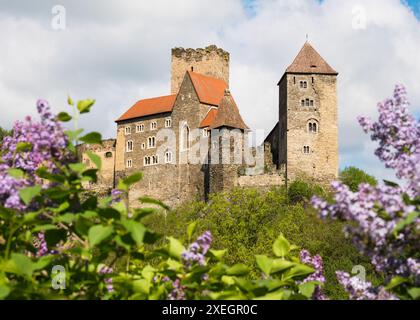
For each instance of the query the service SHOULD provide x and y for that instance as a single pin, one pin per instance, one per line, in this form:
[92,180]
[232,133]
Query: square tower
[307,128]
[210,61]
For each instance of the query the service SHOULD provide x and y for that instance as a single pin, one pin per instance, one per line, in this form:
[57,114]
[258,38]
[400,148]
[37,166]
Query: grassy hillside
[246,222]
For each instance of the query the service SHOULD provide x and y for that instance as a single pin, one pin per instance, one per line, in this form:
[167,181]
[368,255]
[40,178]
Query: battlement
[211,61]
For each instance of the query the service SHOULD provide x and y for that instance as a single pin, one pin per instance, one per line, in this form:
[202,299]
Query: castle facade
[194,142]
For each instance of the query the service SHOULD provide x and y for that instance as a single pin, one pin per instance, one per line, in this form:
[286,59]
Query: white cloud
[119,52]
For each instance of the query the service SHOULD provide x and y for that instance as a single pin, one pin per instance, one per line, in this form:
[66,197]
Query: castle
[194,141]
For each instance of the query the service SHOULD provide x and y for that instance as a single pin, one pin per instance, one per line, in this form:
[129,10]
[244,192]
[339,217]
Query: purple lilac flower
[47,144]
[318,275]
[362,290]
[375,212]
[177,292]
[41,245]
[108,281]
[197,250]
[116,195]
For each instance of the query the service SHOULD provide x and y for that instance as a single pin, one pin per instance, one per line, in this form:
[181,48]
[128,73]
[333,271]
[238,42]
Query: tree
[353,177]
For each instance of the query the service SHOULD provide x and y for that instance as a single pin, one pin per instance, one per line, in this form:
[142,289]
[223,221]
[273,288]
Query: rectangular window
[153,125]
[127,130]
[168,123]
[151,142]
[140,128]
[129,146]
[168,157]
[129,163]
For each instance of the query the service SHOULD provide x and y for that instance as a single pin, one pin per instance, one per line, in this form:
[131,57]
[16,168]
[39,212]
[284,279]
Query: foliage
[302,191]
[246,222]
[385,224]
[58,240]
[353,177]
[4,133]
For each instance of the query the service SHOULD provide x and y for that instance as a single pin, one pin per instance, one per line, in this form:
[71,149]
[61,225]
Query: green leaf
[281,265]
[4,291]
[77,167]
[238,269]
[64,117]
[42,262]
[132,179]
[391,184]
[16,173]
[149,200]
[307,289]
[141,286]
[190,229]
[44,227]
[218,254]
[23,146]
[395,281]
[99,233]
[281,246]
[414,293]
[22,264]
[264,263]
[298,270]
[136,229]
[73,134]
[92,138]
[175,248]
[84,105]
[408,220]
[95,159]
[28,193]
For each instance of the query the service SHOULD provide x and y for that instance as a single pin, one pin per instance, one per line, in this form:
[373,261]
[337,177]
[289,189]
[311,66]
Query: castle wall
[321,163]
[210,61]
[107,153]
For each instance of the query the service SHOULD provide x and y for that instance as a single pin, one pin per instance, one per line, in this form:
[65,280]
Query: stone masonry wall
[211,61]
[322,161]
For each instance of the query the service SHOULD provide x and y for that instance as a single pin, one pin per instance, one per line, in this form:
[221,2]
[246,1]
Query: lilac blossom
[317,275]
[362,290]
[116,195]
[46,145]
[108,281]
[41,245]
[177,292]
[197,250]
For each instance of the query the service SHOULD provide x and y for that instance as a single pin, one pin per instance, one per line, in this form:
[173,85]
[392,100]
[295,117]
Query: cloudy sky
[118,51]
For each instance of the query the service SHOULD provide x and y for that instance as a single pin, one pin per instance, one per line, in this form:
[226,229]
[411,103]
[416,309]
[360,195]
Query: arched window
[153,125]
[151,142]
[185,138]
[168,157]
[129,147]
[306,150]
[155,159]
[313,126]
[129,163]
[146,160]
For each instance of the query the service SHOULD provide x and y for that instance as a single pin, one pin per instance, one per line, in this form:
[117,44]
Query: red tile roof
[309,60]
[148,107]
[228,114]
[209,118]
[209,90]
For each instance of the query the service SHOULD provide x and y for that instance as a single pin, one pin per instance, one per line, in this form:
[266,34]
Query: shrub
[302,191]
[245,222]
[353,177]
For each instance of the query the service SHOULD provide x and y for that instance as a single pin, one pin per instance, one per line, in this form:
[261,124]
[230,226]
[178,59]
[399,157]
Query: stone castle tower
[210,61]
[305,140]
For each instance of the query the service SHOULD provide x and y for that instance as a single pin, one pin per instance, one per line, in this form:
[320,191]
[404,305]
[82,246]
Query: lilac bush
[317,263]
[384,219]
[32,145]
